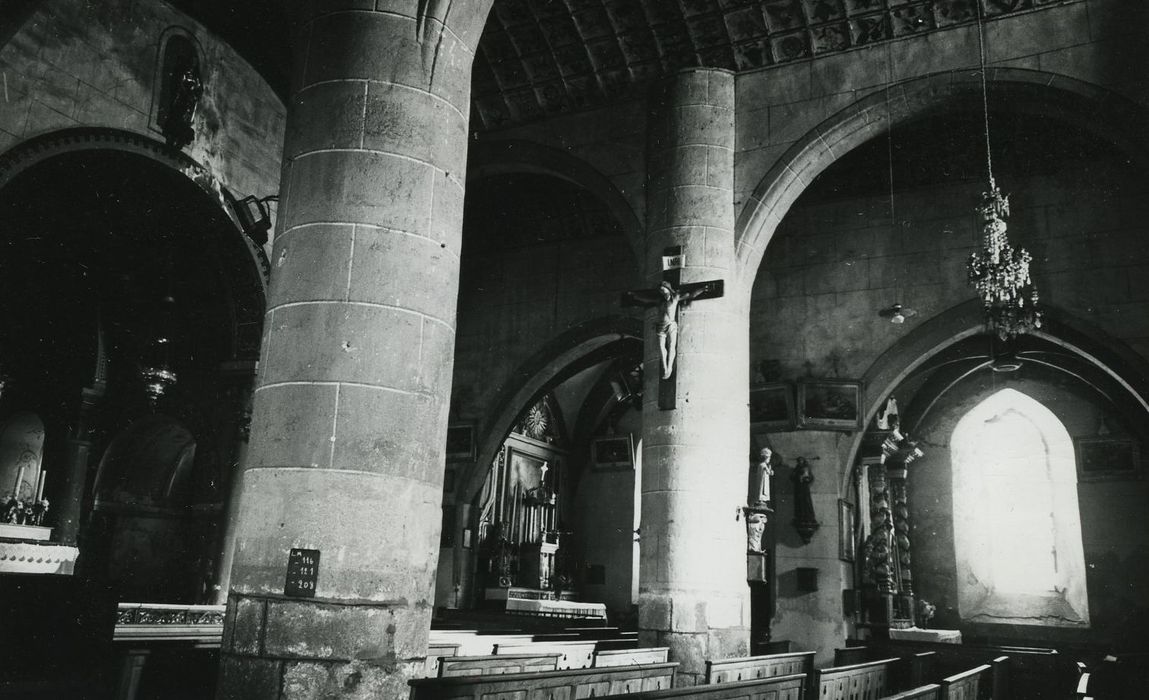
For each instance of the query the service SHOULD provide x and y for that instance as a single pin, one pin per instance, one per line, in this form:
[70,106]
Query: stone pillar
[350,410]
[693,595]
[70,508]
[239,377]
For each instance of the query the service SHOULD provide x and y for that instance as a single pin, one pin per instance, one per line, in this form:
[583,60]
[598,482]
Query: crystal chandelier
[999,272]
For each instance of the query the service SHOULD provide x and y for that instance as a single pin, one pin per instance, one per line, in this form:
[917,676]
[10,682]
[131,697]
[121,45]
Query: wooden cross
[668,297]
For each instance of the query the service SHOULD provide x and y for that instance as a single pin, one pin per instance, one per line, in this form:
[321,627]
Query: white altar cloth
[917,634]
[556,608]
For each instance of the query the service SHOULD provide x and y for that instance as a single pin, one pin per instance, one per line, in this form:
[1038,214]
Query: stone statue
[755,526]
[763,473]
[186,91]
[805,521]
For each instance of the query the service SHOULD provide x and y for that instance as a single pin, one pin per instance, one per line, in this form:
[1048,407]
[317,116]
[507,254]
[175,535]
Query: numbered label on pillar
[302,573]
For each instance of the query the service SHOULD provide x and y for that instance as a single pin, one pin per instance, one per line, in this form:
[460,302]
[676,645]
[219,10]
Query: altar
[917,634]
[518,600]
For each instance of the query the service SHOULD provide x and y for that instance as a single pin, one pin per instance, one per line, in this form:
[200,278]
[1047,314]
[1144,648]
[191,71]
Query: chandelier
[999,272]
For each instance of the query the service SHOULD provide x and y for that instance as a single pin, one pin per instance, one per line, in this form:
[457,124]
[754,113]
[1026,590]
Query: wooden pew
[965,685]
[926,692]
[790,687]
[754,667]
[630,657]
[1000,682]
[1034,673]
[571,654]
[849,656]
[616,643]
[471,644]
[496,664]
[868,681]
[574,683]
[436,651]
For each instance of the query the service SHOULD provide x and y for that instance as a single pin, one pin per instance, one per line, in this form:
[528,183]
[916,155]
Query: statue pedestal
[37,557]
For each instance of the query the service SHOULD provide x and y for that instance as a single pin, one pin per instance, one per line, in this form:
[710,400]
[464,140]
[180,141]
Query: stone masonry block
[311,630]
[705,125]
[728,643]
[247,625]
[347,45]
[386,432]
[415,123]
[311,263]
[654,612]
[346,342]
[291,426]
[688,615]
[452,78]
[243,678]
[689,650]
[356,680]
[447,214]
[359,187]
[328,115]
[380,268]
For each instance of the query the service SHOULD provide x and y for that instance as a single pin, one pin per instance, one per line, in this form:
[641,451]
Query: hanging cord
[984,94]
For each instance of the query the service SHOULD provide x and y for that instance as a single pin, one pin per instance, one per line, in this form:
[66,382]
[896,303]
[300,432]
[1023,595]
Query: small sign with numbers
[302,573]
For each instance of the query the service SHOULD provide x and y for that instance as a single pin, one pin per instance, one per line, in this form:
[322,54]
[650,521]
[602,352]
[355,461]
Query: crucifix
[669,296]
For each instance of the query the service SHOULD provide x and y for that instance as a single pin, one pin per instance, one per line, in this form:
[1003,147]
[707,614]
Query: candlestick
[16,486]
[40,484]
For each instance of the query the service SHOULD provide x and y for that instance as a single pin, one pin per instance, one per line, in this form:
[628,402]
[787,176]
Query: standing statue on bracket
[805,521]
[763,472]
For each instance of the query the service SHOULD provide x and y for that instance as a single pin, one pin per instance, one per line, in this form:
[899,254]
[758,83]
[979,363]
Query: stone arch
[1098,111]
[540,373]
[1124,365]
[488,158]
[250,270]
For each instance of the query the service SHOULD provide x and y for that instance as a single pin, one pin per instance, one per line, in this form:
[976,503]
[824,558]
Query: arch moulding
[1098,111]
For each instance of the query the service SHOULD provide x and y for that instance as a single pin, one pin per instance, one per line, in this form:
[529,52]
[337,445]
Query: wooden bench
[496,664]
[575,683]
[868,681]
[616,643]
[571,654]
[436,651]
[630,657]
[471,644]
[1033,673]
[753,667]
[792,687]
[965,685]
[926,692]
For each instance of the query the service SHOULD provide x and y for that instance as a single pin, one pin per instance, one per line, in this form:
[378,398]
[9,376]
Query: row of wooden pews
[557,665]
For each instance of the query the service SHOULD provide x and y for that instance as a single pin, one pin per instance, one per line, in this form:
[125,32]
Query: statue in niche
[755,527]
[185,90]
[763,472]
[805,521]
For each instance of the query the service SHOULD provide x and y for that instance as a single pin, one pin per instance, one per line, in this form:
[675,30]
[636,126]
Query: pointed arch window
[1017,526]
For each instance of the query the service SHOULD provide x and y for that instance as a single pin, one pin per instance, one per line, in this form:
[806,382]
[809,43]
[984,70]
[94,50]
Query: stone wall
[75,63]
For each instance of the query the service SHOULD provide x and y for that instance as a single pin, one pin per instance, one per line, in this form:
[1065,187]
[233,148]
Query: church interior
[766,349]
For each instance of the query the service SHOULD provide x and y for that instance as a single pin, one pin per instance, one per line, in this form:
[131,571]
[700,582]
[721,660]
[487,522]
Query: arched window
[1017,527]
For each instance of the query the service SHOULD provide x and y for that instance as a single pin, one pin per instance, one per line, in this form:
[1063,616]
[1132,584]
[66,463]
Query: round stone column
[350,410]
[693,595]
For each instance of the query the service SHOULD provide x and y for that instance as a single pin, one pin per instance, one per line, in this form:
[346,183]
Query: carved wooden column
[878,561]
[904,578]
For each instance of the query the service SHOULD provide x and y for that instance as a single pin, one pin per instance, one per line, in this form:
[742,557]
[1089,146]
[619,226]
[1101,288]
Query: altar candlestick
[40,485]
[16,486]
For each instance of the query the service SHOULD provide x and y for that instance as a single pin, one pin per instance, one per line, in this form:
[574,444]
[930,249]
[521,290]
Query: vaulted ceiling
[543,57]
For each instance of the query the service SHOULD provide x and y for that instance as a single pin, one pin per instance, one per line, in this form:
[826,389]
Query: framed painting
[847,544]
[830,404]
[614,452]
[1105,458]
[772,407]
[460,443]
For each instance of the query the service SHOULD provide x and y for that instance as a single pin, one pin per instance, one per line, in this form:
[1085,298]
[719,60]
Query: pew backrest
[792,687]
[926,692]
[868,681]
[747,668]
[496,664]
[616,643]
[630,657]
[573,683]
[965,685]
[571,654]
[479,644]
[436,651]
[1000,682]
[849,656]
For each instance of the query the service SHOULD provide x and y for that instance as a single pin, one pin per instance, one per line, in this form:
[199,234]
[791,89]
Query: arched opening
[1017,528]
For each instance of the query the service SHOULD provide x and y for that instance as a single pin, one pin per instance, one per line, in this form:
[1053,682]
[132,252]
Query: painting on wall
[613,452]
[1102,458]
[772,407]
[830,404]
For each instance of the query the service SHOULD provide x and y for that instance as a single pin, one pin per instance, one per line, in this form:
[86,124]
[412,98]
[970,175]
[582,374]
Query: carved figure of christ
[668,298]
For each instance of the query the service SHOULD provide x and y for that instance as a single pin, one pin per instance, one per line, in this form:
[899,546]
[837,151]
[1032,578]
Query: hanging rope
[984,94]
